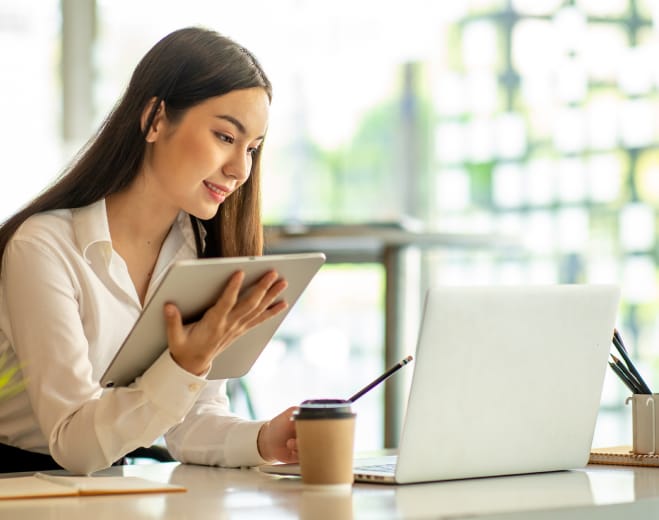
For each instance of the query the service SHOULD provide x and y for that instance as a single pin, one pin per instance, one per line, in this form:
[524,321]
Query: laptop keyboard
[385,468]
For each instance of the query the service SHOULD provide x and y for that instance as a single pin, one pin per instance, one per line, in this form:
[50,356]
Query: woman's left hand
[277,439]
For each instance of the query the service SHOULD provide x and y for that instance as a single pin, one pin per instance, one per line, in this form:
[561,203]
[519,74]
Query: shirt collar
[92,230]
[90,225]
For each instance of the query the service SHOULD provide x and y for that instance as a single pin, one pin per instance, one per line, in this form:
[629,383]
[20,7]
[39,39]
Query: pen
[380,379]
[620,346]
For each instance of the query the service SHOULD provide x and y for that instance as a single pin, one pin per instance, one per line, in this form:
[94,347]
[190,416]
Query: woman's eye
[252,151]
[224,137]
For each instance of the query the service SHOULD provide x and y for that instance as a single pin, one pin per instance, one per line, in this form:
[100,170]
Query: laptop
[507,380]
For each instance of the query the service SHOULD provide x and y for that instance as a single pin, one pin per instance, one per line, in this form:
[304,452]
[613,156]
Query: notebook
[507,380]
[623,456]
[46,485]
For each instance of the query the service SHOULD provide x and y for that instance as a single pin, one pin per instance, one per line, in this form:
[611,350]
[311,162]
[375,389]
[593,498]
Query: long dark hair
[183,69]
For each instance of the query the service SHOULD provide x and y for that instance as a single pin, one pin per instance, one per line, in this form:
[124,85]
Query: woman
[173,173]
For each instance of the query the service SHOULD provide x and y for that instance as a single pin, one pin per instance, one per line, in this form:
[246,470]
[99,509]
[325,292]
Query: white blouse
[66,304]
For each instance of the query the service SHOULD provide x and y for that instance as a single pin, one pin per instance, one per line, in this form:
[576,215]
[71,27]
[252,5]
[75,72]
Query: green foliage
[8,384]
[370,173]
[481,183]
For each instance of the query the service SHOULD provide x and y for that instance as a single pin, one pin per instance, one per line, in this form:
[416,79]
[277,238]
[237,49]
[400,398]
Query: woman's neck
[138,229]
[138,219]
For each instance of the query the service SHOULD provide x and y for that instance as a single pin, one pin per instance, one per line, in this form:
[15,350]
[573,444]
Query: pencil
[617,337]
[620,346]
[379,380]
[624,375]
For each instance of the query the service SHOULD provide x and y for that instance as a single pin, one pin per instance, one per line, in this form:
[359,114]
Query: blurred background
[418,143]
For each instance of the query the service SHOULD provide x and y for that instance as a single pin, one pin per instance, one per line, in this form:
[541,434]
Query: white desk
[600,492]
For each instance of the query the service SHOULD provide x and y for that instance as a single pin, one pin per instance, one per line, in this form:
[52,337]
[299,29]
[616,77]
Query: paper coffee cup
[325,440]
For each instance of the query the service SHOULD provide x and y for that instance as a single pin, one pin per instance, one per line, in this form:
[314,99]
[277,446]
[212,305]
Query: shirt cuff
[242,437]
[171,387]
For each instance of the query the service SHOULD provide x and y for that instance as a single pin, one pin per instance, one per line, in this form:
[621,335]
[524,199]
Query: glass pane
[541,182]
[604,7]
[536,7]
[540,232]
[481,134]
[542,271]
[451,143]
[572,81]
[480,45]
[449,94]
[538,100]
[571,180]
[637,122]
[635,77]
[570,23]
[604,50]
[483,93]
[533,50]
[647,177]
[648,8]
[452,190]
[604,178]
[537,90]
[603,270]
[508,185]
[639,280]
[573,229]
[484,6]
[510,135]
[602,117]
[570,130]
[637,227]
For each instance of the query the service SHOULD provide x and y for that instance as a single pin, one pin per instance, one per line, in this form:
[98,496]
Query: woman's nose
[239,166]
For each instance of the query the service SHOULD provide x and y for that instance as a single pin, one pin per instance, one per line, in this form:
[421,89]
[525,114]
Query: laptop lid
[507,380]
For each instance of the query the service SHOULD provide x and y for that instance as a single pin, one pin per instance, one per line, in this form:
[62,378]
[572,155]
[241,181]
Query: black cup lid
[323,409]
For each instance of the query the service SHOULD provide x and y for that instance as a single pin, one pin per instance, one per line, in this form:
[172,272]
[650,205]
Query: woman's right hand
[195,345]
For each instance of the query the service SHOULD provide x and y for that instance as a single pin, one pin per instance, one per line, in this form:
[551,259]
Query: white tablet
[195,285]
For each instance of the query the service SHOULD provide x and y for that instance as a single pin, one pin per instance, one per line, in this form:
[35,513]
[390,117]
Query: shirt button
[193,387]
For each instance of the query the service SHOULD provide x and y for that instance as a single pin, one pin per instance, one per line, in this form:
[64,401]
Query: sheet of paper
[46,485]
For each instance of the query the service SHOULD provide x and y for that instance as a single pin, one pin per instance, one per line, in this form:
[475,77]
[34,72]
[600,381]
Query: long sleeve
[212,435]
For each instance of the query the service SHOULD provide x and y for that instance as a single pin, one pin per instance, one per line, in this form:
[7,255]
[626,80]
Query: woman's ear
[156,114]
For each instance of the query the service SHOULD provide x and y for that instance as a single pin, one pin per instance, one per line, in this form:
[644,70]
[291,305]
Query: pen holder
[645,428]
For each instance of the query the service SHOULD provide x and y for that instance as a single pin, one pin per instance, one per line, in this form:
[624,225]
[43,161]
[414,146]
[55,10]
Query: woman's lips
[219,193]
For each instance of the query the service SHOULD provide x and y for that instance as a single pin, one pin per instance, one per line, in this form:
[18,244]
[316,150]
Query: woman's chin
[205,213]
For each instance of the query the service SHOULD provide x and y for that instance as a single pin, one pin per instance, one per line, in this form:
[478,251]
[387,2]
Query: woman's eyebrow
[241,128]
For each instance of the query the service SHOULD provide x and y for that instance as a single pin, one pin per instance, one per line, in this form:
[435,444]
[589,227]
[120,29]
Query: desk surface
[595,492]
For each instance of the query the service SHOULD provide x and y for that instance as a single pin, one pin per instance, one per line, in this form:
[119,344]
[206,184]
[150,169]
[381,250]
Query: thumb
[173,324]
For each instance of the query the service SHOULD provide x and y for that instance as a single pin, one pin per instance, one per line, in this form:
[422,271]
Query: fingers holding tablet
[238,309]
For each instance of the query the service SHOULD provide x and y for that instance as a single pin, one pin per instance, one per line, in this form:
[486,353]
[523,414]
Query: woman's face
[199,161]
